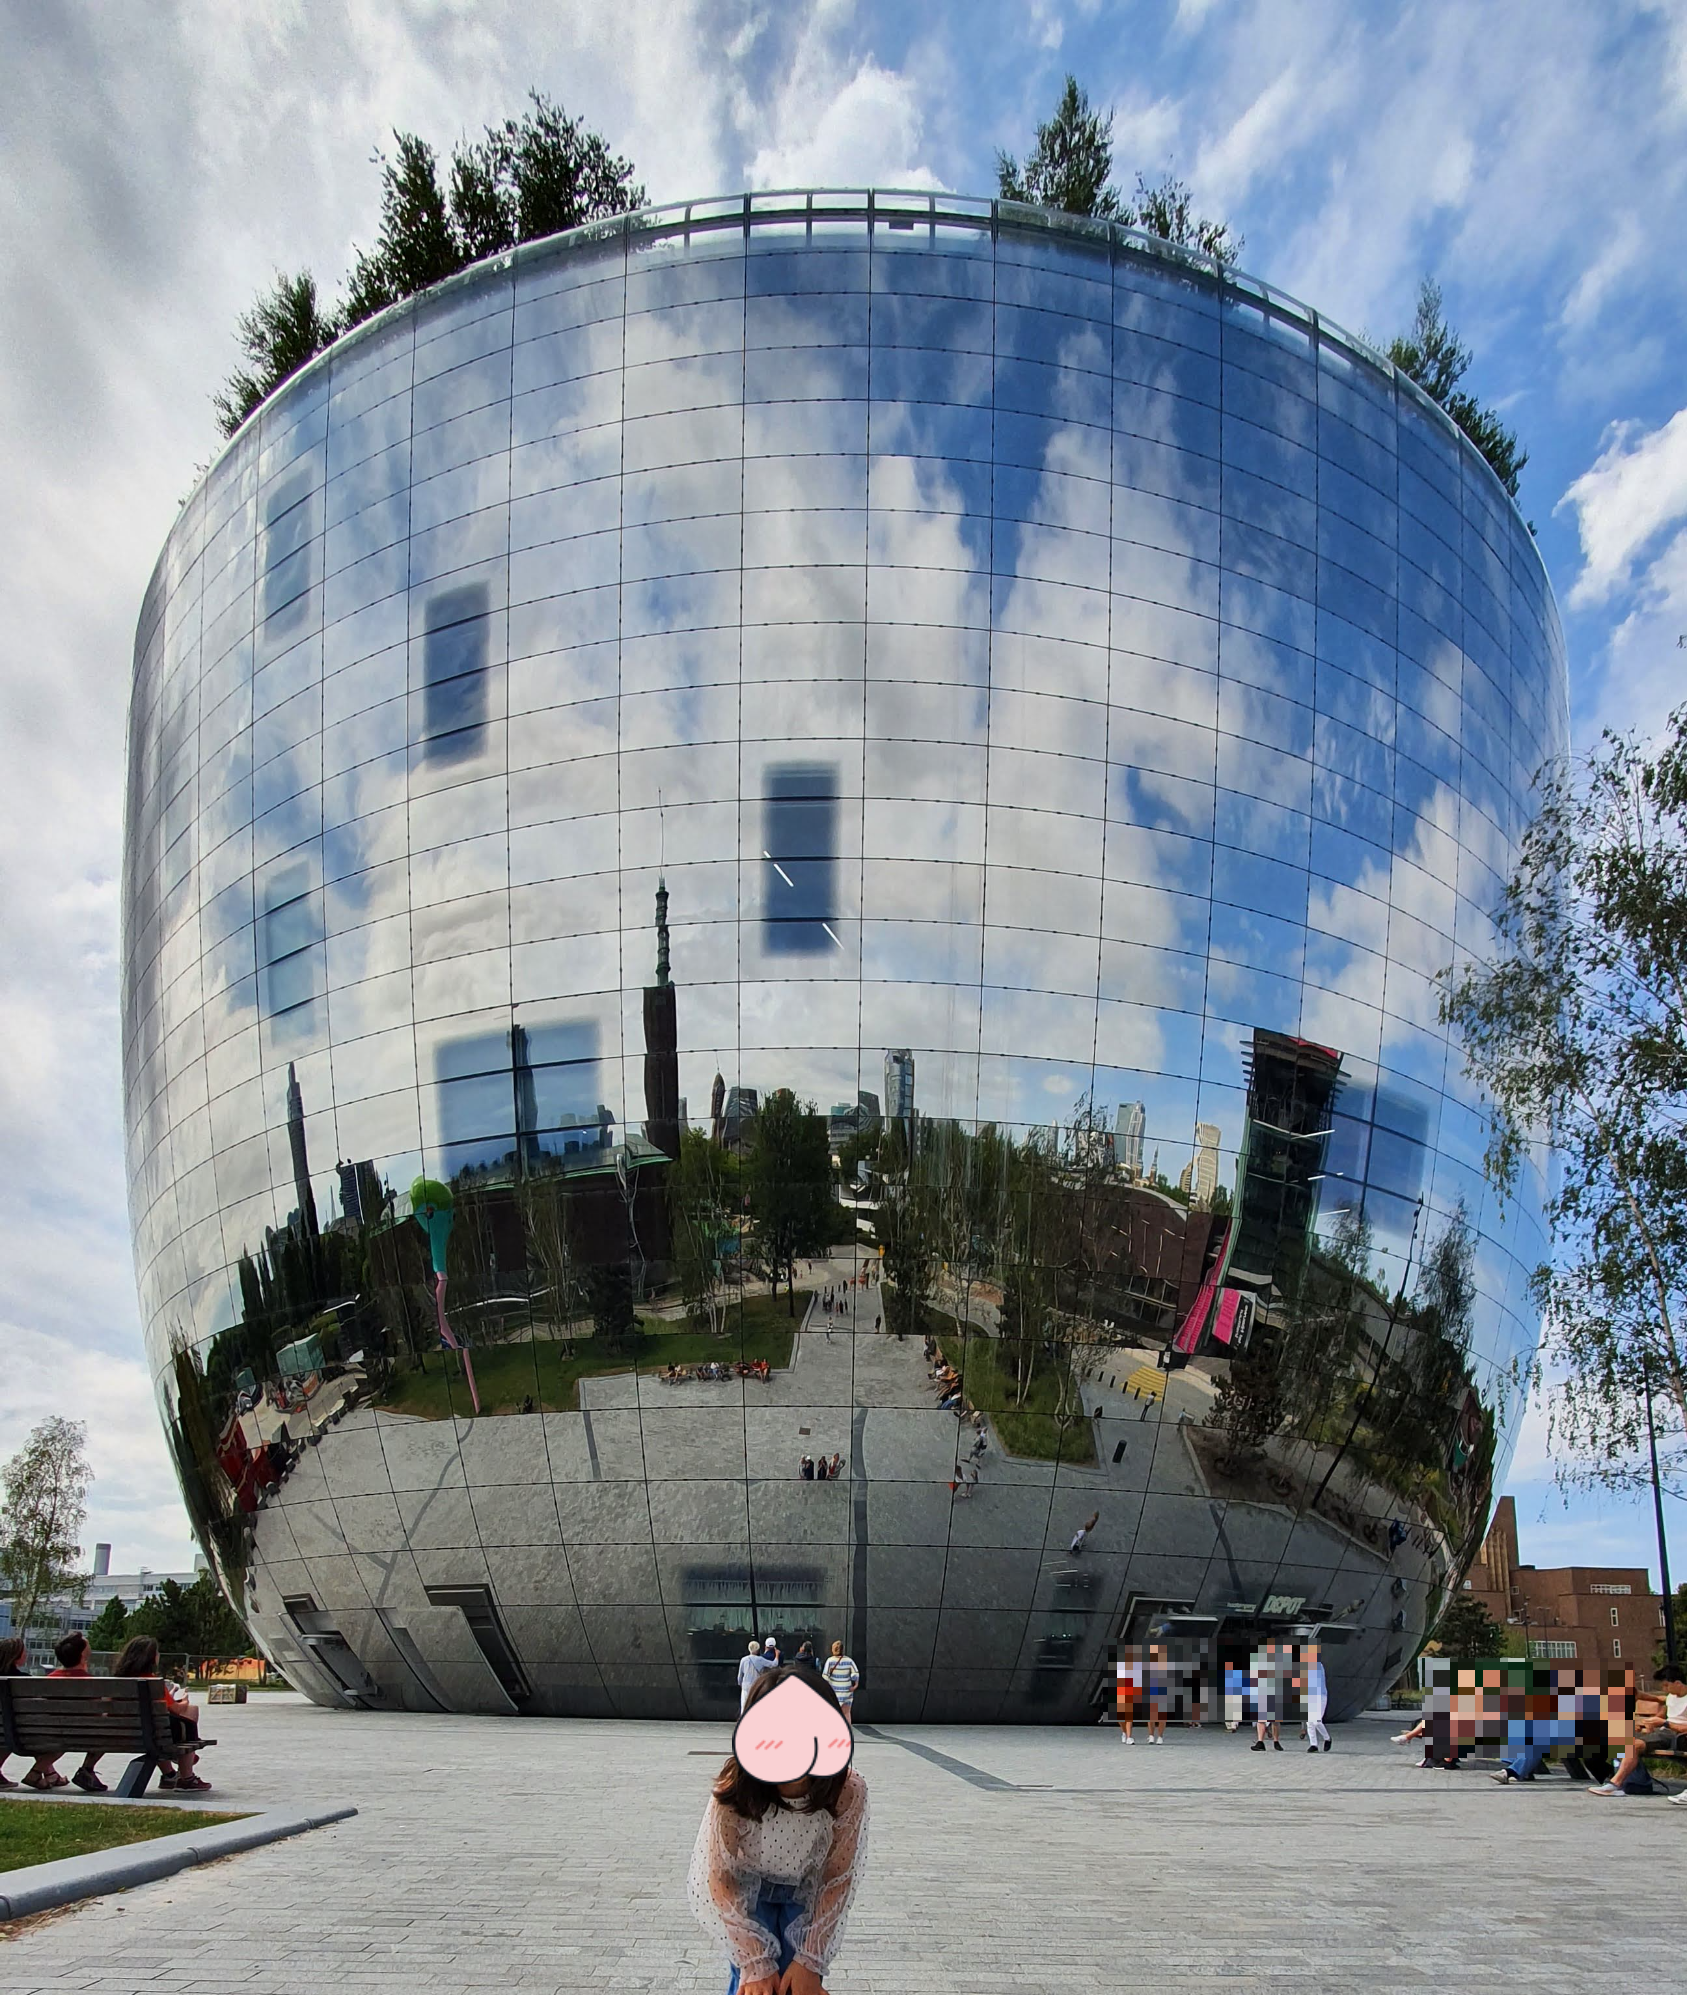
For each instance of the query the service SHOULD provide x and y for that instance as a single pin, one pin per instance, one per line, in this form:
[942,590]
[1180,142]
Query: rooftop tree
[1069,168]
[529,177]
[1437,360]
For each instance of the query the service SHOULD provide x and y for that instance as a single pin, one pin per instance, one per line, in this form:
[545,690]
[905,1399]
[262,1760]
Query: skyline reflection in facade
[804,739]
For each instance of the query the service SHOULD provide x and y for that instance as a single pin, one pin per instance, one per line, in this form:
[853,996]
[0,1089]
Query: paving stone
[548,1856]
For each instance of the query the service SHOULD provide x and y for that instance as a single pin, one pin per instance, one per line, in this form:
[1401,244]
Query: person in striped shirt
[840,1672]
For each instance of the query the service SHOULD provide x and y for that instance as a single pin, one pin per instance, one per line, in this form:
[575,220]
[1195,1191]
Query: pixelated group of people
[1270,1685]
[1598,1720]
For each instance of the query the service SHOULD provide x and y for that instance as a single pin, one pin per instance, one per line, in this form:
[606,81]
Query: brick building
[1596,1615]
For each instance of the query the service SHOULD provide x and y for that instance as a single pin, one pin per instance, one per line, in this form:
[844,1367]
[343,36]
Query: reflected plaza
[825,786]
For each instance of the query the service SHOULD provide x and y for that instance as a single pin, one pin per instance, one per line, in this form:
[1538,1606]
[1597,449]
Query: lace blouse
[820,1855]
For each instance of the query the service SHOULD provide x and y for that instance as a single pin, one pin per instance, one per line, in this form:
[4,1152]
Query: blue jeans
[777,1907]
[1536,1737]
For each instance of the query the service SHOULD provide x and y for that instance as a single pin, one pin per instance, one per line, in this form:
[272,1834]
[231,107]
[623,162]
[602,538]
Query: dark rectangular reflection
[286,556]
[454,673]
[799,858]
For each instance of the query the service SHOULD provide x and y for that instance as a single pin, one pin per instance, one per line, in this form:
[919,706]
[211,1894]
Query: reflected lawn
[547,1371]
[1029,1430]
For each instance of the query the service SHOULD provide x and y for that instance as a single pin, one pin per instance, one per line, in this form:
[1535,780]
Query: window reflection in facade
[602,732]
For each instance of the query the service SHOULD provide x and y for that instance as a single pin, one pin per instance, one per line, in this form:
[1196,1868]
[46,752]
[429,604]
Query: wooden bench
[92,1714]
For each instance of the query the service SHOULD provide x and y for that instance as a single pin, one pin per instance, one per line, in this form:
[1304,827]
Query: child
[775,1865]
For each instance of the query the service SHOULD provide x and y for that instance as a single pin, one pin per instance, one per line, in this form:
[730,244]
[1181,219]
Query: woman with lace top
[775,1866]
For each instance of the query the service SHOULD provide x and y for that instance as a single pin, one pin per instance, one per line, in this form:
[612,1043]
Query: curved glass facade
[866,793]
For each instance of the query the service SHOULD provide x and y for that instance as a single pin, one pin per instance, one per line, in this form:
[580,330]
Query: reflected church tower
[661,1043]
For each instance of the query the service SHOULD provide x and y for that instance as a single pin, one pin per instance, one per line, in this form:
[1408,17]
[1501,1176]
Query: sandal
[44,1783]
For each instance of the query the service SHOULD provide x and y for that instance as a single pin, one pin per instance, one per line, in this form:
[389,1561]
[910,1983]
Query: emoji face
[790,1732]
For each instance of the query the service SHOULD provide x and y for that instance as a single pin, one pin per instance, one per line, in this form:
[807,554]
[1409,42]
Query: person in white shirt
[775,1867]
[1315,1692]
[841,1673]
[1661,1722]
[750,1667]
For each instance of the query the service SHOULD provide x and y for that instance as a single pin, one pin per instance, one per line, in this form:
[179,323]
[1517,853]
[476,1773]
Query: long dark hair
[139,1657]
[13,1649]
[745,1795]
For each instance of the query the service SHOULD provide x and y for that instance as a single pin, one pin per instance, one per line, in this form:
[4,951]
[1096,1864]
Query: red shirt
[81,1669]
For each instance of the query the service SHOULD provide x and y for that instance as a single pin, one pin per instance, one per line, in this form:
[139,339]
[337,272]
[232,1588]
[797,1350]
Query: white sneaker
[1125,1739]
[1679,1800]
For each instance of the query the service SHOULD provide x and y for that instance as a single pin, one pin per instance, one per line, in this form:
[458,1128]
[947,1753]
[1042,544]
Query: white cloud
[1635,489]
[1623,253]
[868,132]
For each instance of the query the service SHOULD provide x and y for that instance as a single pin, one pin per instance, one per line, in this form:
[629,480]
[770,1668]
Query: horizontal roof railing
[901,210]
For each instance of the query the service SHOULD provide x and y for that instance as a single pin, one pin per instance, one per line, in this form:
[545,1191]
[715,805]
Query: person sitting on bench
[1660,1722]
[43,1773]
[72,1652]
[140,1658]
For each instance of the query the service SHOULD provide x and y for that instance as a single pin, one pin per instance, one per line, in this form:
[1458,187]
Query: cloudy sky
[159,163]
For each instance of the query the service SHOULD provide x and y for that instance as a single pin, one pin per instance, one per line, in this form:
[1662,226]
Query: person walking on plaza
[777,1862]
[1083,1531]
[1267,1698]
[841,1673]
[1157,1681]
[750,1667]
[1316,1689]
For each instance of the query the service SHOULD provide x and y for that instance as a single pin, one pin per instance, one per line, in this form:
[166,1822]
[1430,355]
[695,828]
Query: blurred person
[1315,1687]
[1660,1725]
[776,1864]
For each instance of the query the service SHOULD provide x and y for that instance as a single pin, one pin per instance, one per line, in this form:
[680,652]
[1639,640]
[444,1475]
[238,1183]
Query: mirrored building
[785,866]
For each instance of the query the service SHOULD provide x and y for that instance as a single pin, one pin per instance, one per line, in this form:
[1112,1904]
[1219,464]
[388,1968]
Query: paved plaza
[497,1854]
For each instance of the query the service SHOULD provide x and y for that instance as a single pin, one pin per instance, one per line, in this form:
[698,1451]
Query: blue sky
[160,164]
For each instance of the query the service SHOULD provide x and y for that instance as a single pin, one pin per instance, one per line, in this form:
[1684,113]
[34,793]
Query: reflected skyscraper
[1129,1130]
[899,1089]
[1028,655]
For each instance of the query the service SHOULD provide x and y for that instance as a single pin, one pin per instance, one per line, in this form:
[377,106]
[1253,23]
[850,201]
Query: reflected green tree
[788,1187]
[705,1197]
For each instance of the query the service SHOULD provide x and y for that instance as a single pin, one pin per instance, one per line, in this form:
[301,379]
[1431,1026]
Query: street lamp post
[1658,1506]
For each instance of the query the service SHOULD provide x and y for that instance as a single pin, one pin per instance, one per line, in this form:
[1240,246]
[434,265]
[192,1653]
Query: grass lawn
[1029,1431]
[43,1831]
[549,1372]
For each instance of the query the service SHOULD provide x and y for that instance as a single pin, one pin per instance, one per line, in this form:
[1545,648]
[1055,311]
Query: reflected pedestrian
[807,1468]
[837,1466]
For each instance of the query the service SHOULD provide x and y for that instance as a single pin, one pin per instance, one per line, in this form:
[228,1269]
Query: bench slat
[88,1714]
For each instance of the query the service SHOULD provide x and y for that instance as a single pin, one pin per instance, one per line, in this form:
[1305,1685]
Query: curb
[40,1887]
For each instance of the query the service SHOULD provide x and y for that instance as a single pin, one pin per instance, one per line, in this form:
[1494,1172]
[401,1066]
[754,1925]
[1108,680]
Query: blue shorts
[777,1907]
